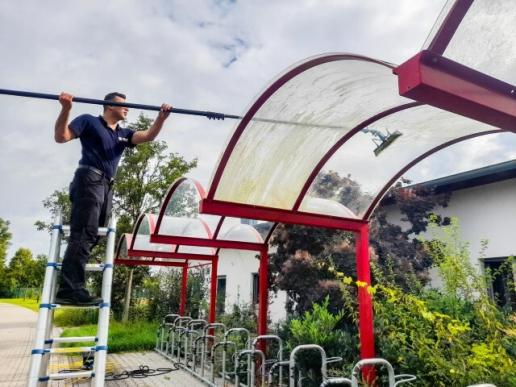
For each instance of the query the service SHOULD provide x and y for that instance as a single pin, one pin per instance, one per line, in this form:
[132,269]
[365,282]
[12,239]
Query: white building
[484,201]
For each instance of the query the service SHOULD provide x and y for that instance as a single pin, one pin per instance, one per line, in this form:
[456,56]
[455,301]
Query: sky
[196,54]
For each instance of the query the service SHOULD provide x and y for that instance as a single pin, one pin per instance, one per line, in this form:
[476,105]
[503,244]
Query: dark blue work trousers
[91,195]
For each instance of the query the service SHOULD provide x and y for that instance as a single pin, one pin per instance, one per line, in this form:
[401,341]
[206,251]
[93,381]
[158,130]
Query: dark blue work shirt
[102,147]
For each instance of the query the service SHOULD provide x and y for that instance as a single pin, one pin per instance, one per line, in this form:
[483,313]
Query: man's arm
[62,132]
[151,133]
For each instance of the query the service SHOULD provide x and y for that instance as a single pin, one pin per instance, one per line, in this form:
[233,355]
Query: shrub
[319,326]
[451,337]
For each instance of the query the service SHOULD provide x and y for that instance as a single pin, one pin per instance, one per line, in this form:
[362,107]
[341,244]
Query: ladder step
[88,267]
[103,231]
[70,375]
[71,350]
[77,339]
[58,306]
[95,267]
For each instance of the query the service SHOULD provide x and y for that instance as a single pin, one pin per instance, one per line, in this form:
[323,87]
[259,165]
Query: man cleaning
[103,142]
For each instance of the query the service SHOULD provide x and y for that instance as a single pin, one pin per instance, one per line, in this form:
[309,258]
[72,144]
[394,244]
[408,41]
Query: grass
[28,303]
[123,337]
[62,317]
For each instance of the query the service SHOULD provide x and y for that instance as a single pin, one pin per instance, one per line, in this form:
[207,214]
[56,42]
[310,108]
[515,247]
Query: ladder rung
[78,339]
[58,306]
[95,267]
[71,349]
[88,267]
[70,375]
[103,231]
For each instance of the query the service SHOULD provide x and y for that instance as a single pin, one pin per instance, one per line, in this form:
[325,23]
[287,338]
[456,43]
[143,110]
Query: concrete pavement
[17,330]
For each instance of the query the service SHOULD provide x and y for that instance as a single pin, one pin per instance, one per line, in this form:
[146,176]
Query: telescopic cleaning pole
[209,115]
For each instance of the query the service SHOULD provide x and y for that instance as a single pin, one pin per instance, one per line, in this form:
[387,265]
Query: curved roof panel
[179,221]
[338,113]
[296,121]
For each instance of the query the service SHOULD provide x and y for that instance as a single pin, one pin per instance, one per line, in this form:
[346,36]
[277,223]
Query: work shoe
[79,297]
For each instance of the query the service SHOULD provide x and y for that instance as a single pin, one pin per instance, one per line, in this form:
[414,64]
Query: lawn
[31,304]
[123,337]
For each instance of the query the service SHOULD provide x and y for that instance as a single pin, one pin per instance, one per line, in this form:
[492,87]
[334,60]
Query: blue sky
[208,55]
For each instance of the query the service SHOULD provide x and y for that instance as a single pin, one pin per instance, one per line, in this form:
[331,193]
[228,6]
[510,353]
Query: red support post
[263,292]
[213,290]
[184,287]
[365,302]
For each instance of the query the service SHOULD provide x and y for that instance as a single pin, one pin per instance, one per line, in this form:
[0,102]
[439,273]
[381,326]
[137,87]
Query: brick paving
[17,330]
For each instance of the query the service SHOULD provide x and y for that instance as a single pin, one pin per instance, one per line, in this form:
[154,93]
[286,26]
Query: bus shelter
[213,232]
[369,121]
[181,237]
[136,250]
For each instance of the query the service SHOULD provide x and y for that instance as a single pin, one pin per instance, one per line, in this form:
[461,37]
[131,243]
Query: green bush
[319,326]
[451,337]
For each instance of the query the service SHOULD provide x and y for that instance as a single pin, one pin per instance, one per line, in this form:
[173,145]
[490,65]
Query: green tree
[5,238]
[57,202]
[23,270]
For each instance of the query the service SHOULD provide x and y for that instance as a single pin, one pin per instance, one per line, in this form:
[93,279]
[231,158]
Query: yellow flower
[347,280]
[452,371]
[361,284]
[371,290]
[340,275]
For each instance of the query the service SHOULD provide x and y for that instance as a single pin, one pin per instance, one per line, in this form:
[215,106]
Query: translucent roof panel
[124,253]
[357,173]
[297,120]
[186,227]
[123,246]
[179,217]
[484,39]
[242,233]
[182,201]
[351,138]
[254,231]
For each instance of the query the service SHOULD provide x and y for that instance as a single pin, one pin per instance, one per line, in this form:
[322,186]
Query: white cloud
[200,54]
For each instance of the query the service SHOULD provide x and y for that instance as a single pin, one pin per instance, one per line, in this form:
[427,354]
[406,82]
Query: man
[103,142]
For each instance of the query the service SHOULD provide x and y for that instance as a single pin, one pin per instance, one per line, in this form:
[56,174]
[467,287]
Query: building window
[501,286]
[255,289]
[221,294]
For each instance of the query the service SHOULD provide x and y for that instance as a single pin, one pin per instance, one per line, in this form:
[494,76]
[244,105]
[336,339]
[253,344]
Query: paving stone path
[17,330]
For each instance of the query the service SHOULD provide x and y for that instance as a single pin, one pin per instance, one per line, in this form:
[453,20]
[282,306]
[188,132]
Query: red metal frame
[263,290]
[435,80]
[213,290]
[216,243]
[365,303]
[184,287]
[449,26]
[218,207]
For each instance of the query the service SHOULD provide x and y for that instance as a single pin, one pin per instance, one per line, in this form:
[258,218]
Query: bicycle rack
[292,361]
[279,356]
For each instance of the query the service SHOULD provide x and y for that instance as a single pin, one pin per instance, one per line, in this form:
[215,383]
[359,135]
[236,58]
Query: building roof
[475,177]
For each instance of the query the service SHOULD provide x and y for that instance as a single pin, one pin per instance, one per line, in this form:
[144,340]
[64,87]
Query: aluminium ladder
[38,374]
